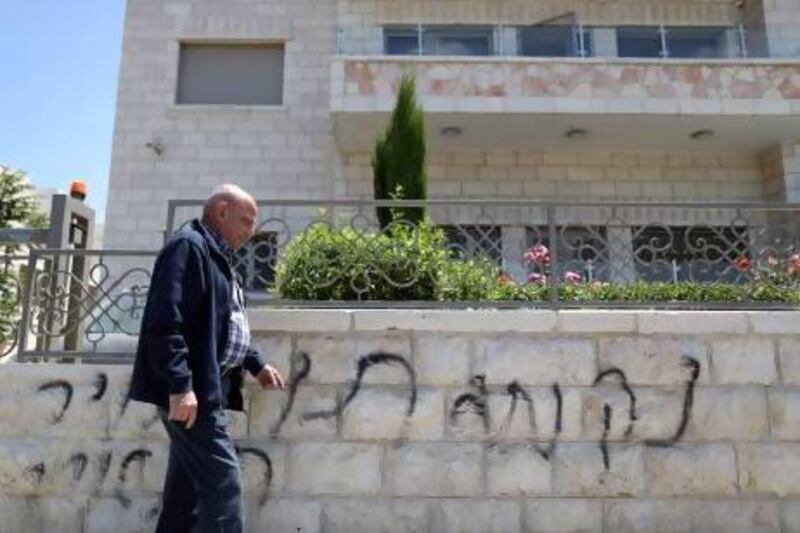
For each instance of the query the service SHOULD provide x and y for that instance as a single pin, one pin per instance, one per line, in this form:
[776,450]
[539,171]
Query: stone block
[736,516]
[596,321]
[580,470]
[435,469]
[276,350]
[474,321]
[784,413]
[476,516]
[791,516]
[61,401]
[54,515]
[137,421]
[648,516]
[298,320]
[267,408]
[536,361]
[517,470]
[108,515]
[283,515]
[334,468]
[337,359]
[688,322]
[654,360]
[775,322]
[400,516]
[442,359]
[689,470]
[729,413]
[770,469]
[744,360]
[548,515]
[384,414]
[789,357]
[657,412]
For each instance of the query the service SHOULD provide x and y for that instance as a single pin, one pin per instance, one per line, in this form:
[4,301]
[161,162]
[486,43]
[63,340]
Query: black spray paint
[299,371]
[66,388]
[477,402]
[688,401]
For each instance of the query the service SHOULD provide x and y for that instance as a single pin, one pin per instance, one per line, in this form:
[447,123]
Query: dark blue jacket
[185,327]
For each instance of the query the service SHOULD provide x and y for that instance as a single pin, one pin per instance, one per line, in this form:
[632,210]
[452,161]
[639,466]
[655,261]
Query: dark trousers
[202,489]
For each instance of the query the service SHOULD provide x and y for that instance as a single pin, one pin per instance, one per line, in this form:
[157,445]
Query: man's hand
[183,408]
[269,377]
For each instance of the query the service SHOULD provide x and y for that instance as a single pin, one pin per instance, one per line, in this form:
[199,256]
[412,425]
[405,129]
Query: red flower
[504,279]
[742,263]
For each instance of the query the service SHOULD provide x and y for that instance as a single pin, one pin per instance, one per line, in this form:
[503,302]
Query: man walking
[193,347]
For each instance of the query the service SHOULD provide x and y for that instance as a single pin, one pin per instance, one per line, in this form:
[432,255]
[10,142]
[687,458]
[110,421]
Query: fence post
[553,240]
[27,296]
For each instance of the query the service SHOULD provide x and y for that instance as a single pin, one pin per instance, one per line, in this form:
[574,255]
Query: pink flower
[535,277]
[538,254]
[572,278]
[772,261]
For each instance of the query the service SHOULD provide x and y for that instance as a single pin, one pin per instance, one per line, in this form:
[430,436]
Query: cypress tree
[398,162]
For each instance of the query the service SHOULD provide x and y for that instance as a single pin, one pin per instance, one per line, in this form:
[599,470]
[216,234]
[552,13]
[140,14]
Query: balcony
[502,100]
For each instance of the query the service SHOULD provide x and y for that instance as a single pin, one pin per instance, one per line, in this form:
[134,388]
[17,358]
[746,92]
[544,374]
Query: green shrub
[404,262]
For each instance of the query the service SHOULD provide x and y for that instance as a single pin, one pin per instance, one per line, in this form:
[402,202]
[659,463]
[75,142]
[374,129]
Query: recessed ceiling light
[701,134]
[451,131]
[576,133]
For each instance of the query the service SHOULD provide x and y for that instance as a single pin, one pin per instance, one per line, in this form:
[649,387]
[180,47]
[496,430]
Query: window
[470,241]
[230,74]
[555,41]
[639,42]
[697,42]
[401,41]
[688,253]
[440,41]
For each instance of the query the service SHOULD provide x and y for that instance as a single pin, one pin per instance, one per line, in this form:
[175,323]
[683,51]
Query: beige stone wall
[512,12]
[781,169]
[585,176]
[583,420]
[276,152]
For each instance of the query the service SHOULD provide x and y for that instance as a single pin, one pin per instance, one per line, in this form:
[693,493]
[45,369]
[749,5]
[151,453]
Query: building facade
[669,100]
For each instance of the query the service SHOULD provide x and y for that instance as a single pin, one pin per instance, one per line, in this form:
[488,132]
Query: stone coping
[525,321]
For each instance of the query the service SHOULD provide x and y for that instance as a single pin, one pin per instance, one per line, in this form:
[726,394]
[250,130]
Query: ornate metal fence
[81,302]
[605,243]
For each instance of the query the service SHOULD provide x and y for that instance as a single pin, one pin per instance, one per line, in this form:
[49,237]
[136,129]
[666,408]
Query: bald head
[232,212]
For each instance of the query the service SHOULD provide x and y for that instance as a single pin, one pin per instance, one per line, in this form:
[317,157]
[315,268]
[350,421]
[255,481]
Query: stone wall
[447,421]
[565,175]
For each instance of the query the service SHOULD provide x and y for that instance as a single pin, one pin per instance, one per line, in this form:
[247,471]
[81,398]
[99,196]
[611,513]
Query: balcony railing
[571,39]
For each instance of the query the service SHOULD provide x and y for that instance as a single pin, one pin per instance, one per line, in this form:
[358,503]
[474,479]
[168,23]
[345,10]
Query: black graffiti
[35,473]
[516,391]
[688,402]
[478,402]
[101,384]
[264,458]
[623,379]
[139,455]
[64,386]
[105,464]
[78,463]
[364,364]
[607,413]
[299,371]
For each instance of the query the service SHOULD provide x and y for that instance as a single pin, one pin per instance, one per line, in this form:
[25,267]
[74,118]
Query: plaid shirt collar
[222,245]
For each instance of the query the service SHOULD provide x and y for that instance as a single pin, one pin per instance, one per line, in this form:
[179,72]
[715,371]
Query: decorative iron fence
[83,303]
[606,243]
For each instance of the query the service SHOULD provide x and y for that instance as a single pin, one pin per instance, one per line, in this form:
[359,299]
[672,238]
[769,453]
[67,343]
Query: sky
[59,64]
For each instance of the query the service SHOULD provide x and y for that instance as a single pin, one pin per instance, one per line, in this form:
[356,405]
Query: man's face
[237,222]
